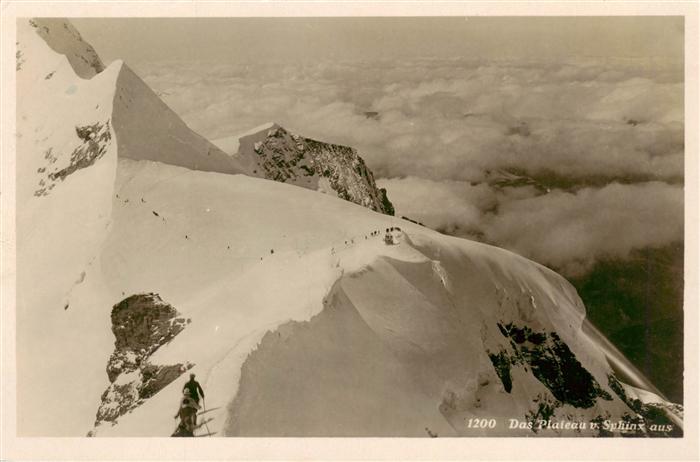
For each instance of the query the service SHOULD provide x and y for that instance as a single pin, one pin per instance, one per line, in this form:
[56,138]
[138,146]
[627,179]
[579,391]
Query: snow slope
[231,144]
[208,253]
[65,178]
[147,129]
[73,120]
[413,322]
[64,39]
[301,320]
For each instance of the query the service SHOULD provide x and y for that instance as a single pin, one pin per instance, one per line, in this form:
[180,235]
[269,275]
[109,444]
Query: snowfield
[61,225]
[231,144]
[301,319]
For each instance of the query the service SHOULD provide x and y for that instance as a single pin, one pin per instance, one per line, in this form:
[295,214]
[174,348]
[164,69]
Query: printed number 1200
[481,423]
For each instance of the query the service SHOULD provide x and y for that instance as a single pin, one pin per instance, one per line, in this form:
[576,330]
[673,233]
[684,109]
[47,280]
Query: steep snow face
[66,166]
[231,144]
[272,152]
[70,131]
[404,347]
[62,37]
[147,129]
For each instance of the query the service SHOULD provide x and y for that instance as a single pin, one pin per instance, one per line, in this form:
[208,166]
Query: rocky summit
[276,154]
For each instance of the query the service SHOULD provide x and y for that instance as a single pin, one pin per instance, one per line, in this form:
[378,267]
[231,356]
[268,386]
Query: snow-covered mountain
[167,138]
[66,168]
[62,37]
[300,314]
[271,152]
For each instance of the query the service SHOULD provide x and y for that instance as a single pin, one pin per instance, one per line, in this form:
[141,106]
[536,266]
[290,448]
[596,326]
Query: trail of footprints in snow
[388,237]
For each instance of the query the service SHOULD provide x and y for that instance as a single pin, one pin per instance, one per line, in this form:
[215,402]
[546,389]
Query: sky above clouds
[238,40]
[590,110]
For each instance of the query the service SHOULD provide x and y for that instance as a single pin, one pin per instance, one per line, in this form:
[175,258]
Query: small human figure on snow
[187,412]
[195,390]
[388,239]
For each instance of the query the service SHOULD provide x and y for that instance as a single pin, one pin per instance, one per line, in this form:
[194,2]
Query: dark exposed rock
[411,220]
[157,377]
[551,361]
[19,59]
[144,322]
[651,416]
[501,362]
[141,324]
[288,158]
[63,38]
[93,143]
[544,412]
[599,421]
[95,139]
[387,206]
[634,425]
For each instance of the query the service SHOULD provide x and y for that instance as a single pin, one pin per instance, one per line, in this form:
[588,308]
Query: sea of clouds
[605,136]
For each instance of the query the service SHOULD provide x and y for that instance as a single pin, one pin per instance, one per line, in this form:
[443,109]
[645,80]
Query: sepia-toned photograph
[426,226]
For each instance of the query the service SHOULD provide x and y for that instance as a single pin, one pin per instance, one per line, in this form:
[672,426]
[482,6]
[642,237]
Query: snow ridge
[141,324]
[66,169]
[147,129]
[63,38]
[422,330]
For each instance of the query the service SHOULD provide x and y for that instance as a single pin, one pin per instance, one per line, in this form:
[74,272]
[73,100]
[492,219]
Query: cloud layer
[608,132]
[571,231]
[453,118]
[566,230]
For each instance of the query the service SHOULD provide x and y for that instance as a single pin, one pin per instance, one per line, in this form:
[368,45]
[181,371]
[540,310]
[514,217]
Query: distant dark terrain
[638,305]
[636,302]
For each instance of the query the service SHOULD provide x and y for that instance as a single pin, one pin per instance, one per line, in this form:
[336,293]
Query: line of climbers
[388,237]
[192,390]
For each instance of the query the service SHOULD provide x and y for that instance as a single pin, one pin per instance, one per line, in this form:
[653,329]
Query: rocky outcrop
[279,155]
[141,324]
[652,419]
[63,38]
[93,142]
[551,362]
